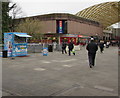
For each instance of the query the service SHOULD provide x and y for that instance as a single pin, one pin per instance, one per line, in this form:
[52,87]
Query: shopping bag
[73,51]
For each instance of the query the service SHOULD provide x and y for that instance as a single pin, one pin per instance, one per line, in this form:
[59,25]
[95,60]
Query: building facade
[116,33]
[60,24]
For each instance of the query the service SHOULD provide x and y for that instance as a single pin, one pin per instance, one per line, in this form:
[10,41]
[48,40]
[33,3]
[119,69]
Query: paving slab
[61,75]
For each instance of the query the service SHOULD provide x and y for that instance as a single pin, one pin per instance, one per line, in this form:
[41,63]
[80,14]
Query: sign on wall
[61,26]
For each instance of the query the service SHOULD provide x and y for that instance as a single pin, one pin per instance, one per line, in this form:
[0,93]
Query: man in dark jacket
[64,47]
[92,48]
[70,47]
[101,45]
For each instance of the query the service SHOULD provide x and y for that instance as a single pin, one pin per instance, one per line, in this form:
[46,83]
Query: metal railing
[37,48]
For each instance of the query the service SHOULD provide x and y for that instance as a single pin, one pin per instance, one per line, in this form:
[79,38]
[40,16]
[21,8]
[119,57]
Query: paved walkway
[61,75]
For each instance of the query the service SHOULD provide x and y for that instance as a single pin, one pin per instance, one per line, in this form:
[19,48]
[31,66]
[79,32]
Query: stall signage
[20,49]
[45,51]
[8,42]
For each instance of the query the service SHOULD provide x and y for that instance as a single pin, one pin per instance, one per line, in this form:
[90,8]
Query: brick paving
[61,75]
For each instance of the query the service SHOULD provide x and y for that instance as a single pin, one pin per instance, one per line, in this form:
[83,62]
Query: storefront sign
[60,27]
[80,36]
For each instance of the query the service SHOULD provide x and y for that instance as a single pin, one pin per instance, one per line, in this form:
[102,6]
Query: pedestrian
[80,45]
[54,45]
[101,45]
[64,47]
[71,47]
[92,47]
[118,43]
[107,44]
[73,51]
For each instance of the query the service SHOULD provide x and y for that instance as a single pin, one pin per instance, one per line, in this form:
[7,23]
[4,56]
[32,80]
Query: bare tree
[15,11]
[33,27]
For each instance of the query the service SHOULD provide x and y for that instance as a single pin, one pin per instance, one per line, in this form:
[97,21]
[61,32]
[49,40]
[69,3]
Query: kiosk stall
[16,44]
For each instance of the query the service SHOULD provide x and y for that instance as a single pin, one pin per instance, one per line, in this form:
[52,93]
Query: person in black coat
[64,47]
[101,45]
[92,47]
[70,47]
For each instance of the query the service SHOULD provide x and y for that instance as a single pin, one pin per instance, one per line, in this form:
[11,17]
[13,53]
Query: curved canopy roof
[107,13]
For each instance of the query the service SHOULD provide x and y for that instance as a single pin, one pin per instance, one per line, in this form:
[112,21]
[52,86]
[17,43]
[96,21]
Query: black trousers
[70,51]
[101,49]
[64,50]
[91,57]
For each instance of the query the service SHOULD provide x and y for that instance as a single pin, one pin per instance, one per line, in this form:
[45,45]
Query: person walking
[107,44]
[54,45]
[91,47]
[101,45]
[64,47]
[70,47]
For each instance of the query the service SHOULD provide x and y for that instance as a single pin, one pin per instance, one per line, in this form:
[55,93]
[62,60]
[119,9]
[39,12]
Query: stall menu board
[8,41]
[20,49]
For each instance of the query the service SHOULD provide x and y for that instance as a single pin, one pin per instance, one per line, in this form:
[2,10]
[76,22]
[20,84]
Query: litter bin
[5,53]
[50,48]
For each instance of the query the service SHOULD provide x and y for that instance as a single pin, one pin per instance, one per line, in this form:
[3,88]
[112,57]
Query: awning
[81,36]
[23,35]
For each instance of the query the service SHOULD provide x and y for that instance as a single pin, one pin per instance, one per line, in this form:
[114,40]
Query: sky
[40,7]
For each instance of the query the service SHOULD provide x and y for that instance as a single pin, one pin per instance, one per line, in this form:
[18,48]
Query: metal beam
[105,13]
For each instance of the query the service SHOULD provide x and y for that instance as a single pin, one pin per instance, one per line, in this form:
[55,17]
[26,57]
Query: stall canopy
[22,35]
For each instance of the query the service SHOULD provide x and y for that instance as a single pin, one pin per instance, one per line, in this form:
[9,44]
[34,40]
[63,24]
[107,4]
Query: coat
[92,48]
[70,46]
[101,45]
[64,45]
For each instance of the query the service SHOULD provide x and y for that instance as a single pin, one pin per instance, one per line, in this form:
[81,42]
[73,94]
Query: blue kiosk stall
[16,44]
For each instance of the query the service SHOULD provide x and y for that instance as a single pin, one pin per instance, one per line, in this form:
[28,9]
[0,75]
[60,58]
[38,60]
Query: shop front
[68,37]
[59,38]
[77,39]
[50,38]
[83,40]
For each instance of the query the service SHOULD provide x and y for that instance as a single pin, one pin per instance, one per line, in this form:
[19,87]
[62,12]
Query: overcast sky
[40,7]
